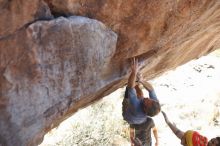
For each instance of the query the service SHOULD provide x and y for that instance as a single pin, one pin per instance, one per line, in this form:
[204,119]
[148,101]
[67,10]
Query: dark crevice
[58,14]
[55,13]
[4,4]
[143,57]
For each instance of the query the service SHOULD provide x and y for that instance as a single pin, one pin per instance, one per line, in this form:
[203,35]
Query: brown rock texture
[51,66]
[181,30]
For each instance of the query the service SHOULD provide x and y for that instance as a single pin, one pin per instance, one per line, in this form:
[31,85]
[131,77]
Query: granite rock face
[49,70]
[59,56]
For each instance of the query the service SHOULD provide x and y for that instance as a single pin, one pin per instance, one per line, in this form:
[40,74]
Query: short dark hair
[153,110]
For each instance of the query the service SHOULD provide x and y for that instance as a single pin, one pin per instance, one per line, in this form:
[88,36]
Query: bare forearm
[175,130]
[131,80]
[147,85]
[134,70]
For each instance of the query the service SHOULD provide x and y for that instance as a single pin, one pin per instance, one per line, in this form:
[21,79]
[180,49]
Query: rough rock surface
[48,70]
[177,29]
[51,68]
[15,14]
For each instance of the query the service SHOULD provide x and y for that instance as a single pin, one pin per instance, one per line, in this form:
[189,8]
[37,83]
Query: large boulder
[51,66]
[49,70]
